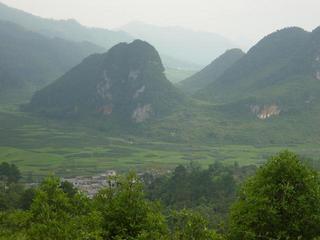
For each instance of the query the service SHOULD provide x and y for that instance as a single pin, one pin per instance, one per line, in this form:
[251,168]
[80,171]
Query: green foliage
[280,202]
[266,66]
[10,188]
[68,188]
[209,191]
[9,173]
[56,215]
[188,225]
[127,214]
[26,198]
[13,224]
[188,186]
[10,195]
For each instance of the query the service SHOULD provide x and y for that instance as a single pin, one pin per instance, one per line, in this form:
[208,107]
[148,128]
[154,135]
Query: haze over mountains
[211,72]
[189,111]
[66,29]
[275,82]
[29,60]
[174,54]
[273,88]
[194,47]
[83,108]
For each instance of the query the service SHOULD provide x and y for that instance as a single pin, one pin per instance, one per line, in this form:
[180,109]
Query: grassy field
[41,147]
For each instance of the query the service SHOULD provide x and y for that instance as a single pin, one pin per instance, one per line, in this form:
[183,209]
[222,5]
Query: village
[90,185]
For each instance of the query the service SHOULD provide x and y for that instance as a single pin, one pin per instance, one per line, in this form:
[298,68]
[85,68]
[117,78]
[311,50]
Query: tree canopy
[282,201]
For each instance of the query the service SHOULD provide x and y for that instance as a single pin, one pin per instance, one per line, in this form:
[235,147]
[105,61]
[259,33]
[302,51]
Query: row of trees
[281,201]
[115,213]
[209,191]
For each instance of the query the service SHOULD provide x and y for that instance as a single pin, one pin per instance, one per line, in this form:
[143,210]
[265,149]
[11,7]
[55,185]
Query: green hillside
[126,83]
[275,105]
[270,64]
[278,76]
[211,72]
[86,120]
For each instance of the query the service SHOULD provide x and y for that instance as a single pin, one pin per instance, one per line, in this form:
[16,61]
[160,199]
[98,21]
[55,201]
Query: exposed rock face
[127,82]
[103,87]
[133,74]
[106,110]
[140,114]
[139,91]
[266,111]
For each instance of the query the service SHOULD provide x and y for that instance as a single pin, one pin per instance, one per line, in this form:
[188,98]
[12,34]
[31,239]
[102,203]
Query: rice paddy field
[40,147]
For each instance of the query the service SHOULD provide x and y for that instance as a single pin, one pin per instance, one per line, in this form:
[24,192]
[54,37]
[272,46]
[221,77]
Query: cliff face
[266,111]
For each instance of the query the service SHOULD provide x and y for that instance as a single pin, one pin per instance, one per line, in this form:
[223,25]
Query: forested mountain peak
[127,82]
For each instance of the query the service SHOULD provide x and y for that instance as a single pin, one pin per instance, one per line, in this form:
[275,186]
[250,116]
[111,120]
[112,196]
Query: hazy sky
[244,19]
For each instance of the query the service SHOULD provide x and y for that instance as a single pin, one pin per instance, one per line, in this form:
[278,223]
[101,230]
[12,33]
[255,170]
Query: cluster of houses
[91,185]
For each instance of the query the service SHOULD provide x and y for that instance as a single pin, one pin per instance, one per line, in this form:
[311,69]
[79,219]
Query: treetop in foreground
[280,202]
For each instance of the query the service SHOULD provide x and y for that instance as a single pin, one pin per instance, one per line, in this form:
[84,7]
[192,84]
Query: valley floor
[40,147]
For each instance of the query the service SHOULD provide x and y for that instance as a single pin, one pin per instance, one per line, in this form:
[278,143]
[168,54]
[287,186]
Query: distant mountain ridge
[73,31]
[66,29]
[194,47]
[211,72]
[271,95]
[30,60]
[127,84]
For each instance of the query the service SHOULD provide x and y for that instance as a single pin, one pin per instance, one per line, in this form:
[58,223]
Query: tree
[26,198]
[10,195]
[13,224]
[9,173]
[188,225]
[210,190]
[68,188]
[282,201]
[56,215]
[126,212]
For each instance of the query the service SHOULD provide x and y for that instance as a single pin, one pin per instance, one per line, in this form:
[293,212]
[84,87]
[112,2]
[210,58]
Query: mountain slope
[29,60]
[261,67]
[271,96]
[278,75]
[195,47]
[211,72]
[66,29]
[127,83]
